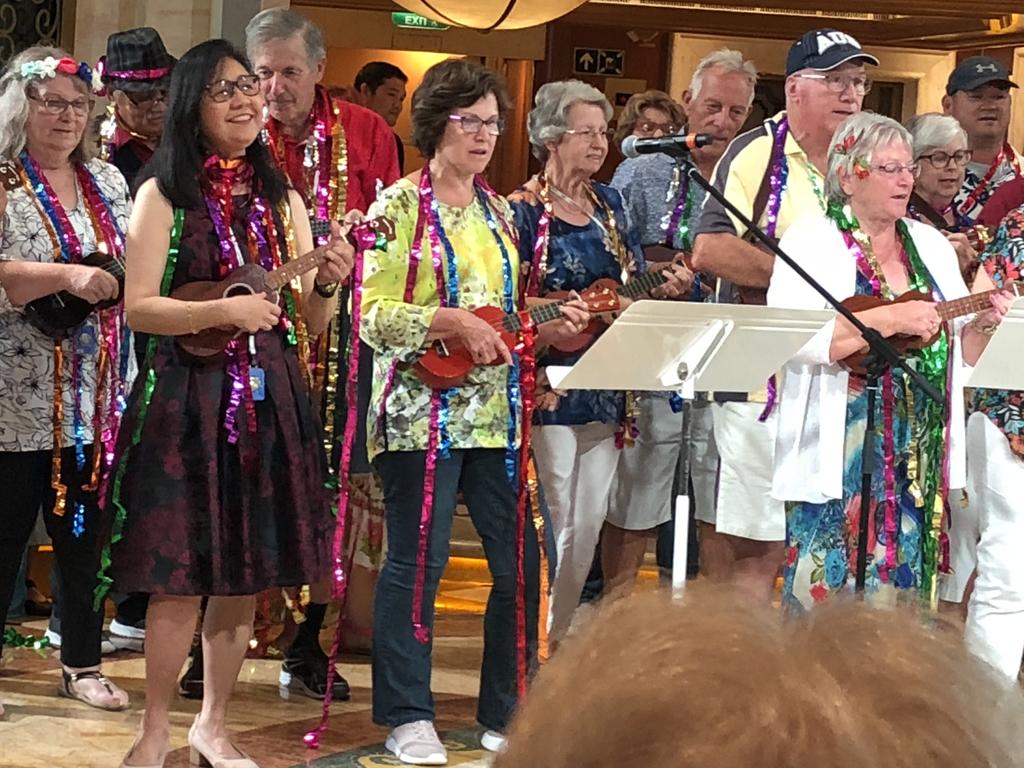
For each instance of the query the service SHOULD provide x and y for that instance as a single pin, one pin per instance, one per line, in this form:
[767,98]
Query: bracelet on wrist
[987,329]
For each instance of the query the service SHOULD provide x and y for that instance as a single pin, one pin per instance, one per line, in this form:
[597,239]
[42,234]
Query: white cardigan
[809,455]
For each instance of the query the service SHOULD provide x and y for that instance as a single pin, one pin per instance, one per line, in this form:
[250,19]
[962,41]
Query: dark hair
[178,160]
[376,72]
[446,86]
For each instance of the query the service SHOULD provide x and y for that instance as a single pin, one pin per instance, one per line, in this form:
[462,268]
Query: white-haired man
[825,83]
[336,154]
[666,207]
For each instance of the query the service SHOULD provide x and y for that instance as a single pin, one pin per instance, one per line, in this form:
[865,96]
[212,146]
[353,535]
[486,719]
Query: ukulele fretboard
[976,302]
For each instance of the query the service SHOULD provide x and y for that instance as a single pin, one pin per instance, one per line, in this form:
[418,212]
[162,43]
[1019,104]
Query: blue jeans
[401,664]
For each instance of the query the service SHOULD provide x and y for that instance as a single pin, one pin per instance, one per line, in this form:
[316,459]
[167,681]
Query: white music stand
[999,366]
[666,346]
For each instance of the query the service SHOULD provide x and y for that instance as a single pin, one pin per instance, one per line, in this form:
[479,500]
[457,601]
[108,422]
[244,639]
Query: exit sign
[415,21]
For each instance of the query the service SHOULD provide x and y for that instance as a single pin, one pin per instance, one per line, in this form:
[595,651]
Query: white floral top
[26,355]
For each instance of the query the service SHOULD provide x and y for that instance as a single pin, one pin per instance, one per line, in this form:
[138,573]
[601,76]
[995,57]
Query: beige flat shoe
[69,689]
[201,754]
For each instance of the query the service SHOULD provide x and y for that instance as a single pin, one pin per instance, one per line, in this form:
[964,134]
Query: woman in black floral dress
[218,482]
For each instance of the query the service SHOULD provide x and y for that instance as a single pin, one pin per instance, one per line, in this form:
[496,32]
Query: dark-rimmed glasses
[222,90]
[940,159]
[55,105]
[472,125]
[146,99]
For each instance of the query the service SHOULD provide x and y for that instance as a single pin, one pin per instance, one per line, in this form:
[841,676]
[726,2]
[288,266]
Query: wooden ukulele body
[901,342]
[58,314]
[447,363]
[210,342]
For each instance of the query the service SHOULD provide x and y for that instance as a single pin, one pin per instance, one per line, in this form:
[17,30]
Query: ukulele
[252,278]
[634,288]
[447,363]
[57,314]
[947,310]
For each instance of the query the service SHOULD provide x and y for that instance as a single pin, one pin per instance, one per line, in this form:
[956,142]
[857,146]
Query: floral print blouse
[1004,259]
[26,354]
[478,411]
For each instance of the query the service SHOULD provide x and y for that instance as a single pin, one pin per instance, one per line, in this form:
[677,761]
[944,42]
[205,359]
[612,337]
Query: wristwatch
[326,291]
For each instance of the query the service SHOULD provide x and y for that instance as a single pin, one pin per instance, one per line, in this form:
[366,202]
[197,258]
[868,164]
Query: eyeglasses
[892,168]
[222,90]
[649,127]
[471,124]
[839,83]
[147,99]
[941,159]
[590,134]
[55,105]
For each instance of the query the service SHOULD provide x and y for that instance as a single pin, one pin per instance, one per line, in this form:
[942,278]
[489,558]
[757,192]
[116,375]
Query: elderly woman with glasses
[648,115]
[454,250]
[866,247]
[573,231]
[59,381]
[941,153]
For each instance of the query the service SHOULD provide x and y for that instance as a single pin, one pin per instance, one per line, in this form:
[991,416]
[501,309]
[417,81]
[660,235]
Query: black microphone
[677,145]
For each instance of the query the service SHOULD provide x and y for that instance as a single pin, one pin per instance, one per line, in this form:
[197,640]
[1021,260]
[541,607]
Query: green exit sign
[415,21]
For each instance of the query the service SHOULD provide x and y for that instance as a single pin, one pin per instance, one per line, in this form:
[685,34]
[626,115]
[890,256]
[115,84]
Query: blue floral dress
[821,539]
[578,256]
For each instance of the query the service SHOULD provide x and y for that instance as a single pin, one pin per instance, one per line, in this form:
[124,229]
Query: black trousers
[24,487]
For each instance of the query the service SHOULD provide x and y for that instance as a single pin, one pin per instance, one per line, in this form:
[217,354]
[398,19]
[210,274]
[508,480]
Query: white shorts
[746,450]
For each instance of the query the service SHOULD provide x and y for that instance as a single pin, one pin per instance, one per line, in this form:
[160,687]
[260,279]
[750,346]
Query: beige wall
[923,73]
[181,23]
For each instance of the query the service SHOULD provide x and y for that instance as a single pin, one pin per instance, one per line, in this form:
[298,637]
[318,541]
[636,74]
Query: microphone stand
[882,356]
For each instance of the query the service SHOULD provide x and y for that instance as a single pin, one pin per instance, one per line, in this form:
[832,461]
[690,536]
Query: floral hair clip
[861,168]
[846,144]
[50,67]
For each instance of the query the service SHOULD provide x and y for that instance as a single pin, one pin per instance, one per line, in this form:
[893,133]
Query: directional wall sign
[584,60]
[611,63]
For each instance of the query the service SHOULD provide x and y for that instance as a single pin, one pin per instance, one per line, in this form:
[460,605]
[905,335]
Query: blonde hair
[14,105]
[718,681]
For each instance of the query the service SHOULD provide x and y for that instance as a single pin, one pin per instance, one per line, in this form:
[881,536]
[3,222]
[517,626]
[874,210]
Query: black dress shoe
[305,671]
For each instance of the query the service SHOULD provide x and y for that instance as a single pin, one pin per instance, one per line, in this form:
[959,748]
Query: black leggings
[24,487]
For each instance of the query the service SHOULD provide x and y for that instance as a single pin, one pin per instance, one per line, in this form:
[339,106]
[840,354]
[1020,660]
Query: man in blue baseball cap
[826,81]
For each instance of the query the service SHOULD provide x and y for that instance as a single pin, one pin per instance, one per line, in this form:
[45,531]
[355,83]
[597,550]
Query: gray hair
[729,61]
[934,131]
[869,131]
[548,120]
[14,105]
[284,24]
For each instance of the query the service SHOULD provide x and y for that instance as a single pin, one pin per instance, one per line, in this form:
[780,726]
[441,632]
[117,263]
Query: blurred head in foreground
[717,682]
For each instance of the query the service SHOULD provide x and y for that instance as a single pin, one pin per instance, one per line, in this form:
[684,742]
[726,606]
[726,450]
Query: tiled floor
[43,731]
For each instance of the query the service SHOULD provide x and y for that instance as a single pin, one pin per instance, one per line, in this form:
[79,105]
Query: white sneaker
[106,647]
[417,744]
[493,741]
[125,637]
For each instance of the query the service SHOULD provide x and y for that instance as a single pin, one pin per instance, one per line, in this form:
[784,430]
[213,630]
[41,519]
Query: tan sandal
[68,689]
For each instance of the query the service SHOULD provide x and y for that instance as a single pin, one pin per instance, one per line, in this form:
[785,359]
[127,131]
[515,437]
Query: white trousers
[995,477]
[576,466]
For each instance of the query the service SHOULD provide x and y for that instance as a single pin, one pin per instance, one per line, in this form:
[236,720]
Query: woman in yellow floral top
[454,250]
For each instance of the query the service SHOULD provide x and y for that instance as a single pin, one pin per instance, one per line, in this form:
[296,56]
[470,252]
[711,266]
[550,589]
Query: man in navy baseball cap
[978,96]
[824,50]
